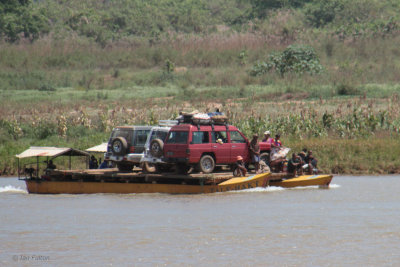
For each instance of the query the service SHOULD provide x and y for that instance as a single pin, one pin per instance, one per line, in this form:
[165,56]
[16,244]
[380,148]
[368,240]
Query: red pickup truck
[205,146]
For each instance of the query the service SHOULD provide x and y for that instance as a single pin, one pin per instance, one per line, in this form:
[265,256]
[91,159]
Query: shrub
[12,128]
[320,13]
[345,89]
[295,58]
[47,87]
[260,8]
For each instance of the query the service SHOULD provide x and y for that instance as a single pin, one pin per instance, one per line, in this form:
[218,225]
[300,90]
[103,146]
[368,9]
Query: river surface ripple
[353,223]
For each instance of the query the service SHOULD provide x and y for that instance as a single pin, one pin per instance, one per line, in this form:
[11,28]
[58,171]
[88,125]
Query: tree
[17,17]
[261,7]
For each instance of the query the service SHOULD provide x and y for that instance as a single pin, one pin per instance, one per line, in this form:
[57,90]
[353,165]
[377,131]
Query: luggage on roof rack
[167,123]
[203,118]
[219,119]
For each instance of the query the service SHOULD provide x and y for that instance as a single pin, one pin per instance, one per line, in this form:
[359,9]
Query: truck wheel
[206,164]
[156,148]
[119,146]
[125,167]
[148,167]
[265,157]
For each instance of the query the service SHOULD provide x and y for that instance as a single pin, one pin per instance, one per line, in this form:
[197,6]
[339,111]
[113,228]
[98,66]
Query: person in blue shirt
[103,165]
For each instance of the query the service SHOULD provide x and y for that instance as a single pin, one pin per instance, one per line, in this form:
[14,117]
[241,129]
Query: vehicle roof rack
[167,123]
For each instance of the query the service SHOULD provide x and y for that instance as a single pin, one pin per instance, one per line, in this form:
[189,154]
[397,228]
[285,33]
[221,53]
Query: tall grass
[210,60]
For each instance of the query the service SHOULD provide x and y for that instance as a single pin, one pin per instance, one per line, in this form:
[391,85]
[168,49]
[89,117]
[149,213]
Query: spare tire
[156,148]
[119,146]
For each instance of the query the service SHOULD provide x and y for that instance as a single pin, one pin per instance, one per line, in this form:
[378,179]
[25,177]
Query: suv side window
[200,138]
[236,137]
[219,135]
[141,137]
[158,135]
[177,137]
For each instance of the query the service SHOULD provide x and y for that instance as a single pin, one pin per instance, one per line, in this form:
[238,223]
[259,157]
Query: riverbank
[372,155]
[348,135]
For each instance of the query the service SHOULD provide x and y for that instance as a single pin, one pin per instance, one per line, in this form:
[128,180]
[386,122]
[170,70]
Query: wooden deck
[114,175]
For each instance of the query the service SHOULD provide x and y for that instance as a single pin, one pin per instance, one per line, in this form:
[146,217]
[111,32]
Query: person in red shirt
[277,142]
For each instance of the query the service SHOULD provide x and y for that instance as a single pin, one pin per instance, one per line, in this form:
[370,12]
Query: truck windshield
[177,138]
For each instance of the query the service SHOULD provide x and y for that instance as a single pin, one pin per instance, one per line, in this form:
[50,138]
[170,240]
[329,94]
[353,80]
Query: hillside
[109,44]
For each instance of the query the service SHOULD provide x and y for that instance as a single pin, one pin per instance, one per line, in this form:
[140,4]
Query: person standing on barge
[255,152]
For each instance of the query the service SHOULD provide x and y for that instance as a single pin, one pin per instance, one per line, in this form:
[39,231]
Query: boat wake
[260,189]
[276,188]
[12,189]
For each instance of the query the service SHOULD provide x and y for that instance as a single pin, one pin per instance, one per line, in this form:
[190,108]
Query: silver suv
[128,145]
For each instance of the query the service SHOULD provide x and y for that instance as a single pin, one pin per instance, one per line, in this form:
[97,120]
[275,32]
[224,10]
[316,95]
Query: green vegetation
[325,74]
[295,58]
[342,132]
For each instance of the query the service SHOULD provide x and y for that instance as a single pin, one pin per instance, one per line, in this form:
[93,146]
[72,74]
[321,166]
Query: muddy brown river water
[356,222]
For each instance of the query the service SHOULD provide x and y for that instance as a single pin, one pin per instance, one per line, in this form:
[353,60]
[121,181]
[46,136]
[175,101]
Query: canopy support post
[37,166]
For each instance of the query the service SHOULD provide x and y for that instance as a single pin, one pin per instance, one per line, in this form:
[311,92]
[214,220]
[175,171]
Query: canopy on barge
[49,152]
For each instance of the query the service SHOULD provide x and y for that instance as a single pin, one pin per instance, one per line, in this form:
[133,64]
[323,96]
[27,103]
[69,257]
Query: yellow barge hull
[85,187]
[304,180]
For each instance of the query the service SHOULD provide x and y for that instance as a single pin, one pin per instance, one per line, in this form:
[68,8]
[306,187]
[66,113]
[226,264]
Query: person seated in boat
[277,141]
[240,168]
[277,160]
[311,163]
[264,168]
[303,155]
[29,171]
[51,165]
[93,164]
[276,145]
[294,165]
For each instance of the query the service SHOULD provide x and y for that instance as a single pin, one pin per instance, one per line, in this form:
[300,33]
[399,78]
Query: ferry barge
[118,182]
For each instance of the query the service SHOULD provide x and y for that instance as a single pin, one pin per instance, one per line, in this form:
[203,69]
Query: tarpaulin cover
[44,151]
[99,148]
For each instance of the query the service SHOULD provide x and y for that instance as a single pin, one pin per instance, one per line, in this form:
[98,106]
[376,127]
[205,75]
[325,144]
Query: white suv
[129,145]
